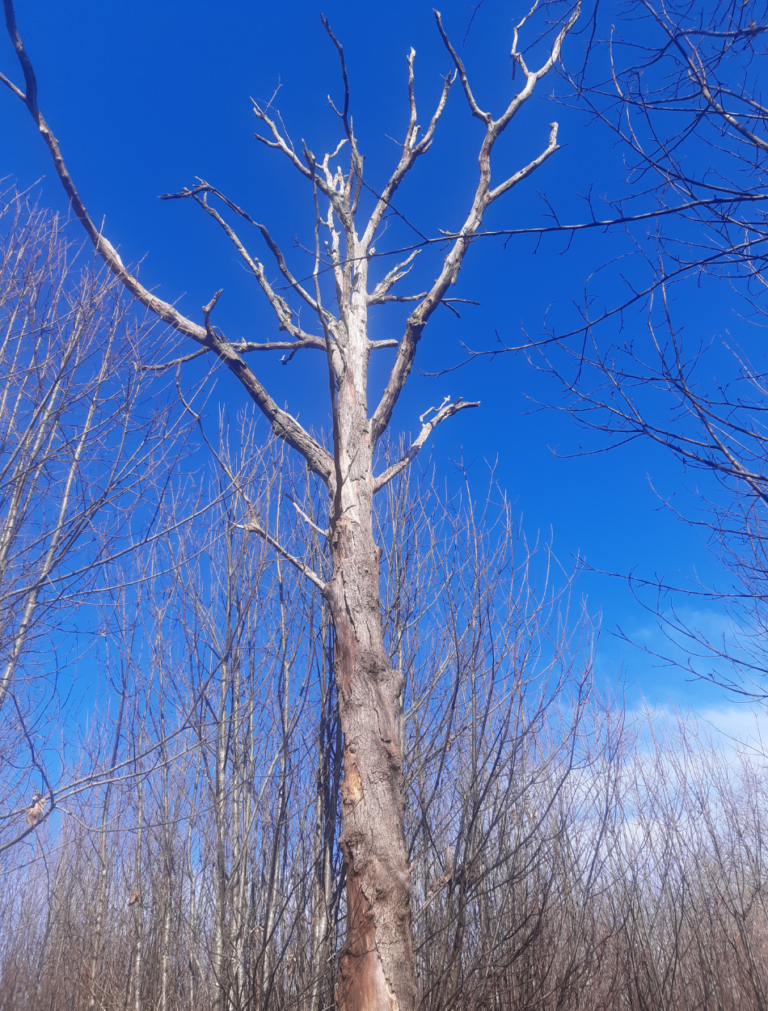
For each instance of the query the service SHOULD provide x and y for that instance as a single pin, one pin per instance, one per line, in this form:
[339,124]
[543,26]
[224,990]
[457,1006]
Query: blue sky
[146,96]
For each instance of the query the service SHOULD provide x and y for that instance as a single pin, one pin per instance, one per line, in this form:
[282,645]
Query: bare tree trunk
[328,783]
[221,953]
[267,969]
[138,904]
[376,965]
[168,869]
[101,900]
[193,937]
[239,878]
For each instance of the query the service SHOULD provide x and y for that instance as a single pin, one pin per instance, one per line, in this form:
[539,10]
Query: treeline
[560,859]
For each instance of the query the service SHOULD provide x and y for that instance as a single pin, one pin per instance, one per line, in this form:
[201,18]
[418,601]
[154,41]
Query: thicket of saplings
[183,852]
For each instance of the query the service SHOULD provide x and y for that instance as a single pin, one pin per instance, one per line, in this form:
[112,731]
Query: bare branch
[477,112]
[482,199]
[529,168]
[391,278]
[411,152]
[283,424]
[281,144]
[254,527]
[445,410]
[205,187]
[17,91]
[280,307]
[109,254]
[304,516]
[174,361]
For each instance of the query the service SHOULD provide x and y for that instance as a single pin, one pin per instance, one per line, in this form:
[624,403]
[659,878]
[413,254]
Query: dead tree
[376,965]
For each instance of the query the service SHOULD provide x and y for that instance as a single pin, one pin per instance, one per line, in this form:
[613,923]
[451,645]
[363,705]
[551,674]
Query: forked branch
[412,150]
[445,410]
[253,526]
[483,198]
[278,304]
[398,272]
[477,112]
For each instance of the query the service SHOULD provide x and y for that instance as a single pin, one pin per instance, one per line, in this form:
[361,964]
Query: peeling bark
[376,964]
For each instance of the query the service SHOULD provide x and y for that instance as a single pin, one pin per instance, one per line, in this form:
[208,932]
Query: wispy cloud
[674,658]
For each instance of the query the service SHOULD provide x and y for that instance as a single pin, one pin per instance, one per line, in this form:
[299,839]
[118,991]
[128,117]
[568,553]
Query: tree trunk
[101,897]
[328,783]
[376,962]
[138,924]
[221,951]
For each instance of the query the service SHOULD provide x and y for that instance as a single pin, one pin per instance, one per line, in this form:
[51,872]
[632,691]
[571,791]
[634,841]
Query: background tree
[679,87]
[498,731]
[83,454]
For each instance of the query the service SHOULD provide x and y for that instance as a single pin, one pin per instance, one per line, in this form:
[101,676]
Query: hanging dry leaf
[35,810]
[134,897]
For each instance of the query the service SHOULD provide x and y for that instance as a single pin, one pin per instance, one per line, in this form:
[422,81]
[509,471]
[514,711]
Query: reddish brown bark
[376,965]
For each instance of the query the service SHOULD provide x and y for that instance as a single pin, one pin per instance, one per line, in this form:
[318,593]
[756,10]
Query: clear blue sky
[145,96]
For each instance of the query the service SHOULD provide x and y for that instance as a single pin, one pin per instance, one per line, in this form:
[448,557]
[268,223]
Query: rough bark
[376,965]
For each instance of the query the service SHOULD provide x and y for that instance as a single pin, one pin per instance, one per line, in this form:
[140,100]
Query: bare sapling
[81,453]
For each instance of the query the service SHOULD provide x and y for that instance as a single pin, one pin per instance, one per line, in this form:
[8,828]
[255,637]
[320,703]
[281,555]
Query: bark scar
[354,785]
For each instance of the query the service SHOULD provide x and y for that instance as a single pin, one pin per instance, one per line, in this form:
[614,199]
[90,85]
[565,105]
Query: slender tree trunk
[328,782]
[139,887]
[319,908]
[193,936]
[267,969]
[167,843]
[166,936]
[240,811]
[101,898]
[221,954]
